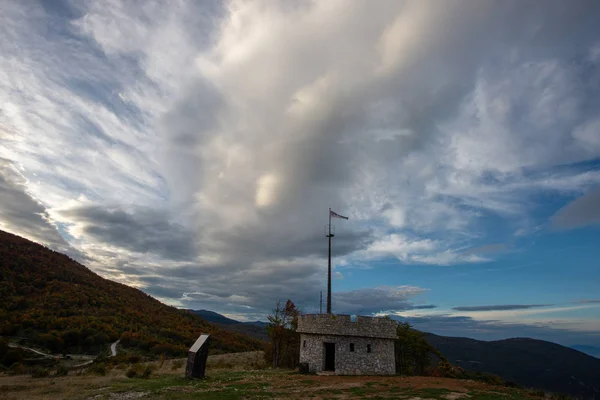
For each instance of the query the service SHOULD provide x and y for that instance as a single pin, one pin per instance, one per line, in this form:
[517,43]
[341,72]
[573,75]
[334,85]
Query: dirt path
[32,350]
[113,348]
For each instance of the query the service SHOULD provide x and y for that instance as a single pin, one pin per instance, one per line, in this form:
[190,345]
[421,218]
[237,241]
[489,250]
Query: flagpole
[329,267]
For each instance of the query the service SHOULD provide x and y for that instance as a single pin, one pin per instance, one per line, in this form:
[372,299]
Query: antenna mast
[321,304]
[329,236]
[329,233]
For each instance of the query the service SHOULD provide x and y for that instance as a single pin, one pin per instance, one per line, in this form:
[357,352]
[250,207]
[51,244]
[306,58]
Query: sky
[192,149]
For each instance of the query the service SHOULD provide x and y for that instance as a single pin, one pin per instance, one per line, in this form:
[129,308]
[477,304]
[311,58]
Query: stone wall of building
[380,361]
[331,324]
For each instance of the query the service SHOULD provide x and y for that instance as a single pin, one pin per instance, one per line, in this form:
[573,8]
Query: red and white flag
[333,214]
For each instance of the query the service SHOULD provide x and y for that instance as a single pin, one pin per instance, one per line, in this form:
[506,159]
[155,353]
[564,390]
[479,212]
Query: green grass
[266,384]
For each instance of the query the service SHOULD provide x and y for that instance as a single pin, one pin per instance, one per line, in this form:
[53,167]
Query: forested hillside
[529,362]
[56,303]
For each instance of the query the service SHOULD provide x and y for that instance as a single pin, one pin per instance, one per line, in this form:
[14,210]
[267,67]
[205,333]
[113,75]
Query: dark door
[329,356]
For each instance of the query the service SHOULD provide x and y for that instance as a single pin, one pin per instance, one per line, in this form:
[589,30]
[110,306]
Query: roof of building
[345,325]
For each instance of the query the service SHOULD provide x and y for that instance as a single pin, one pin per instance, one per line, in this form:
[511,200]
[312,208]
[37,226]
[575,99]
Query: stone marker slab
[197,355]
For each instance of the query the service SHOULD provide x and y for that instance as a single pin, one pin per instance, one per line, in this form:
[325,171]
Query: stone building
[346,345]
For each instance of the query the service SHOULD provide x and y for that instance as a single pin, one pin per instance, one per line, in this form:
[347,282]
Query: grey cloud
[141,230]
[375,300]
[502,307]
[462,326]
[23,215]
[280,241]
[580,212]
[304,293]
[164,292]
[423,307]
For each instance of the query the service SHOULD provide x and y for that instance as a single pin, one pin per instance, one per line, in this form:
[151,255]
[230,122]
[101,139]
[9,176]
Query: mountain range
[528,362]
[255,329]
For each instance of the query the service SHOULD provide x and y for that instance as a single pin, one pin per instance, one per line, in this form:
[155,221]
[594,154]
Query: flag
[336,215]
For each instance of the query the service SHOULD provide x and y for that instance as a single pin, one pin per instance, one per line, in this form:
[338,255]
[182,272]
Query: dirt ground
[226,382]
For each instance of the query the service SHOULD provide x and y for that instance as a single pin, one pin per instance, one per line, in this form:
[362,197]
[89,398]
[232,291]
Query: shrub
[134,359]
[98,369]
[147,371]
[61,371]
[131,373]
[136,370]
[176,364]
[40,373]
[17,369]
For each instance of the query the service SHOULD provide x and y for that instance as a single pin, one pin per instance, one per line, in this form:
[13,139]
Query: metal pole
[329,267]
[321,303]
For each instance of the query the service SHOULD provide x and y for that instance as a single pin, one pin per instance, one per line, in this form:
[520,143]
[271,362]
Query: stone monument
[197,355]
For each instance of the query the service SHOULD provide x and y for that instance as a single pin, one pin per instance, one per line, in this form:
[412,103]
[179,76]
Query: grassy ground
[229,383]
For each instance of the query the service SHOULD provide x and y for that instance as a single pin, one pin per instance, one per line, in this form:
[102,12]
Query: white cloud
[239,124]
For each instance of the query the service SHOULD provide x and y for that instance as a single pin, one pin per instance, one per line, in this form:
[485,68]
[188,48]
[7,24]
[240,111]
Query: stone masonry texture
[377,333]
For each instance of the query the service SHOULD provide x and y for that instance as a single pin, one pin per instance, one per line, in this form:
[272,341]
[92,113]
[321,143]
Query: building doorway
[329,356]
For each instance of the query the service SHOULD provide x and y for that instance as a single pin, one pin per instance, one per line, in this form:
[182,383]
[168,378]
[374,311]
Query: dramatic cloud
[583,211]
[192,149]
[141,231]
[378,300]
[506,307]
[23,215]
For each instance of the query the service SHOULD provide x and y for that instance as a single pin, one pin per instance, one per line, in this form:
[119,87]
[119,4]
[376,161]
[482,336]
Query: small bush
[98,369]
[134,359]
[40,373]
[61,371]
[16,369]
[176,364]
[162,360]
[131,373]
[147,372]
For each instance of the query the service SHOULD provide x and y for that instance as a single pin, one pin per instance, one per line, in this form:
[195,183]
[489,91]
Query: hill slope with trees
[529,362]
[56,303]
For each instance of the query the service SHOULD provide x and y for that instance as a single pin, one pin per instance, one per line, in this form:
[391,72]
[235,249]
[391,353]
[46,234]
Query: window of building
[368,348]
[351,346]
[304,344]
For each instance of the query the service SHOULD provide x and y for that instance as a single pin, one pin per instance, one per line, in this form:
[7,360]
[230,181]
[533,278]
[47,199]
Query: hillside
[255,329]
[589,350]
[528,362]
[214,317]
[56,303]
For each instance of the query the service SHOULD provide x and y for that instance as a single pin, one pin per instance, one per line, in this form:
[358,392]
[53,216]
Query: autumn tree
[281,329]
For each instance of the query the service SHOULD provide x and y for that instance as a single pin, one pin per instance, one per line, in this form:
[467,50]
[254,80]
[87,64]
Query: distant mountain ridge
[255,329]
[589,350]
[60,305]
[212,316]
[528,362]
